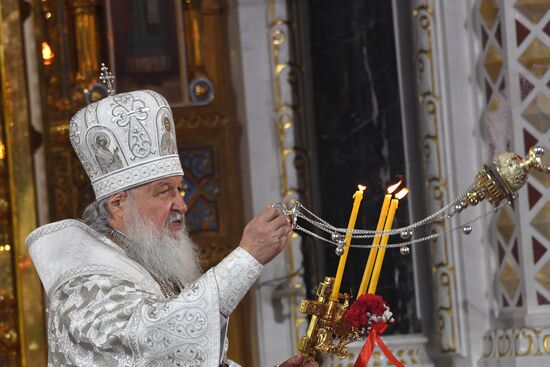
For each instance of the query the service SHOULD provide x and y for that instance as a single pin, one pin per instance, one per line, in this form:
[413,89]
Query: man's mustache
[174,217]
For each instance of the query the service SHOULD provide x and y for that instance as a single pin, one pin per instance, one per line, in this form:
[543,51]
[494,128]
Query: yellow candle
[358,196]
[382,250]
[376,241]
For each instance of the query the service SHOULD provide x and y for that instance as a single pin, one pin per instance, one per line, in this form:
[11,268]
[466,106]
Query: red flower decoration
[357,313]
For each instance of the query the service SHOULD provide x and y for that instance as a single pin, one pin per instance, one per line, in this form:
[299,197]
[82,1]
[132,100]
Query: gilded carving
[430,115]
[60,171]
[3,207]
[489,10]
[8,332]
[536,58]
[493,62]
[207,121]
[546,343]
[543,275]
[21,303]
[516,342]
[540,223]
[520,276]
[288,120]
[534,10]
[510,278]
[86,39]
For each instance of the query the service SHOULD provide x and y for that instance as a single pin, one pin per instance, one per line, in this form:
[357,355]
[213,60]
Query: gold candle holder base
[328,332]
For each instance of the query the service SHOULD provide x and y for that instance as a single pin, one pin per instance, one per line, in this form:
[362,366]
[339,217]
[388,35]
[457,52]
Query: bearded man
[124,285]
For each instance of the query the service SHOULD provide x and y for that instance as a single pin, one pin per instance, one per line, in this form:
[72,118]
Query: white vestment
[107,310]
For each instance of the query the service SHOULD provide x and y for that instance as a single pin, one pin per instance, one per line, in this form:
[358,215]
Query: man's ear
[116,205]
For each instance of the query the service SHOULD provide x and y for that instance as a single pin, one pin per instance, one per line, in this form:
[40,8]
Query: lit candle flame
[402,193]
[394,187]
[47,53]
[361,187]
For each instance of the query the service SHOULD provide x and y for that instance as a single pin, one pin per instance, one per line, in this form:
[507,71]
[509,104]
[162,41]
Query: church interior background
[301,100]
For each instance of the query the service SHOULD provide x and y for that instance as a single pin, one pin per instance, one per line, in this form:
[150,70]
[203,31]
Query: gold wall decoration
[489,11]
[21,310]
[510,278]
[543,276]
[193,22]
[215,134]
[505,225]
[517,343]
[70,80]
[533,9]
[537,113]
[81,35]
[541,221]
[289,119]
[87,33]
[170,54]
[536,58]
[9,344]
[493,62]
[521,238]
[72,32]
[430,110]
[210,121]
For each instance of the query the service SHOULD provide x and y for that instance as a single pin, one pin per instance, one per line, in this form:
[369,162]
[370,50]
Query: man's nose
[179,204]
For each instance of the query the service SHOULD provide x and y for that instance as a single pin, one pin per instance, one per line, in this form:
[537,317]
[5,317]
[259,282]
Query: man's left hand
[266,235]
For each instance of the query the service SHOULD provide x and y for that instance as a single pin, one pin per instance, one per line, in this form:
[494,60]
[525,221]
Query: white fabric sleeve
[234,276]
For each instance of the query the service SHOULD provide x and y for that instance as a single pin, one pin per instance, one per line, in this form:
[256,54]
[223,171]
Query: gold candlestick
[327,324]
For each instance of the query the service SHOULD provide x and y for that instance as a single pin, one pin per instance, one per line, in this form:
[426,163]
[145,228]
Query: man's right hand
[266,235]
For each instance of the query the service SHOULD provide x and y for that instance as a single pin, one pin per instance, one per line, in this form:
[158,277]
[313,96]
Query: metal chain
[327,228]
[359,233]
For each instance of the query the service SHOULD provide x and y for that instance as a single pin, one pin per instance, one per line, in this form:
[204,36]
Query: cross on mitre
[107,78]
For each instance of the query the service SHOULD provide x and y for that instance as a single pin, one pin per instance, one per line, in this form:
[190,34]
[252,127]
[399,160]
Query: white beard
[171,256]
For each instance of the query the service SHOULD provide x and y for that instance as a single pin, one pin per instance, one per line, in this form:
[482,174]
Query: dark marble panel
[358,134]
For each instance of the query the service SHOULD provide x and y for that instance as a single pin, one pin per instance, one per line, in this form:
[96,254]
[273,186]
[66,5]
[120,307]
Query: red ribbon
[368,348]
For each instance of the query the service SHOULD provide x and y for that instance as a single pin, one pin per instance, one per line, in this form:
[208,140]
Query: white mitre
[126,140]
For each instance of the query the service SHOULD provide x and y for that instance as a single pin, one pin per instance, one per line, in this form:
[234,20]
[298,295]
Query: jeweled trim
[140,174]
